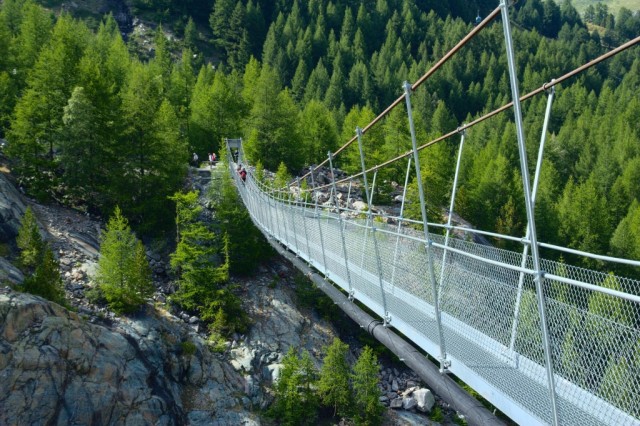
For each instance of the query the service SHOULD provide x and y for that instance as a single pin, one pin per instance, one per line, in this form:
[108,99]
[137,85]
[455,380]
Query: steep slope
[56,368]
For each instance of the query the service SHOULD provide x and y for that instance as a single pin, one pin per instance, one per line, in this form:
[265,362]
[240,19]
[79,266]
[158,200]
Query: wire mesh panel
[489,309]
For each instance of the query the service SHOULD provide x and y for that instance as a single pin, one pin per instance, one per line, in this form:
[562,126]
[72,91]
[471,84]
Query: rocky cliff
[57,368]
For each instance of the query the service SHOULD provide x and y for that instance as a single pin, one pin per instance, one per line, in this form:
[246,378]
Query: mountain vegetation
[301,389]
[92,125]
[123,274]
[42,273]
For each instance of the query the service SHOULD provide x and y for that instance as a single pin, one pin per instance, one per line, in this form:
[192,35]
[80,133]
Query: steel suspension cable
[497,111]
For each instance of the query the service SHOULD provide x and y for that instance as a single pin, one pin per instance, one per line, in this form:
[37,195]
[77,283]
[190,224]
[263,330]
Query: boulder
[396,403]
[360,205]
[409,403]
[424,399]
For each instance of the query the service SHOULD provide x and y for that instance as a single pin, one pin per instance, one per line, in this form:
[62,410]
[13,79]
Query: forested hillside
[91,124]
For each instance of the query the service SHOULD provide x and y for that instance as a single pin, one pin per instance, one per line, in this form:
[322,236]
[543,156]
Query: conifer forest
[91,121]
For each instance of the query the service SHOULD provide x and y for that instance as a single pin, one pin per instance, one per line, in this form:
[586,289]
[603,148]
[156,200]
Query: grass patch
[436,415]
[188,348]
[613,5]
[5,250]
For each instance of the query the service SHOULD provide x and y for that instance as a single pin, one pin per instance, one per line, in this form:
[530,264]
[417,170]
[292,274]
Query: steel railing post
[283,206]
[404,197]
[272,215]
[539,276]
[387,316]
[444,363]
[317,217]
[293,223]
[525,250]
[369,196]
[451,205]
[304,219]
[344,243]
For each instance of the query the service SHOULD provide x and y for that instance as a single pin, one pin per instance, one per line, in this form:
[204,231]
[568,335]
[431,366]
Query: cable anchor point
[445,364]
[387,319]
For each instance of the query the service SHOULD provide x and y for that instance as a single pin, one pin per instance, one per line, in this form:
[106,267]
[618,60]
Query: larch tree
[29,241]
[333,386]
[365,388]
[320,133]
[123,273]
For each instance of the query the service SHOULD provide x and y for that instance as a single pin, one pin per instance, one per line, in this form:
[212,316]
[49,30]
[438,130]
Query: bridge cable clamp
[352,295]
[549,87]
[444,365]
[387,319]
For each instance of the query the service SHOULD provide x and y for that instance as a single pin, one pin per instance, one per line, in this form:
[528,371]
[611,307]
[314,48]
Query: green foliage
[310,296]
[282,177]
[436,415]
[365,387]
[29,241]
[195,255]
[333,386]
[123,272]
[201,260]
[246,244]
[46,280]
[295,403]
[188,348]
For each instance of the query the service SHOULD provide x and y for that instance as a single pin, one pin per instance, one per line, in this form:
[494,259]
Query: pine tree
[365,388]
[123,271]
[46,280]
[29,241]
[295,403]
[333,386]
[82,150]
[320,134]
[37,127]
[190,35]
[287,405]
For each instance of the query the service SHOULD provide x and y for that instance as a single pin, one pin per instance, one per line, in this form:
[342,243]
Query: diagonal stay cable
[419,82]
[506,106]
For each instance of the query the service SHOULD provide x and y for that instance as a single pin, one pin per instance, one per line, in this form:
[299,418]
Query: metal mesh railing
[545,342]
[594,336]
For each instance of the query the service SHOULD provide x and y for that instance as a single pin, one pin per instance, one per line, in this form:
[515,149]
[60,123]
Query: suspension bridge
[498,319]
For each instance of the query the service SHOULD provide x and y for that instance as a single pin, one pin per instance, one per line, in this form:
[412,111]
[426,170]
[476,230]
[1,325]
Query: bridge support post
[539,274]
[444,363]
[387,316]
[272,230]
[273,213]
[452,204]
[317,217]
[525,250]
[340,222]
[293,223]
[282,204]
[398,231]
[369,196]
[304,219]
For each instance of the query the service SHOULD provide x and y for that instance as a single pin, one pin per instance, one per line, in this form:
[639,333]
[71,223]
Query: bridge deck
[477,302]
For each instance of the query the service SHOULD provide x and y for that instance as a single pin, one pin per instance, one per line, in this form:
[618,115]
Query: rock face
[11,210]
[55,368]
[276,326]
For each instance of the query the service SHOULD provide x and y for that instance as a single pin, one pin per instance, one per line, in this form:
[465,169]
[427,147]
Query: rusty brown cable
[419,82]
[506,106]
